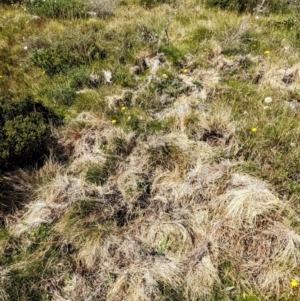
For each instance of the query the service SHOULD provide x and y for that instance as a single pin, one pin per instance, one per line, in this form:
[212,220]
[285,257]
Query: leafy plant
[24,131]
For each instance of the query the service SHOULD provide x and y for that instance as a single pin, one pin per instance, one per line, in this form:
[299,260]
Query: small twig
[166,32]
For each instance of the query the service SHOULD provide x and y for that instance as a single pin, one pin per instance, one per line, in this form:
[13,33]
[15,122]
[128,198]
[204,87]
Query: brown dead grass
[157,224]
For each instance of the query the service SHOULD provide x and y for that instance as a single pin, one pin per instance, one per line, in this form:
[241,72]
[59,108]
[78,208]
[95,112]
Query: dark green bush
[24,132]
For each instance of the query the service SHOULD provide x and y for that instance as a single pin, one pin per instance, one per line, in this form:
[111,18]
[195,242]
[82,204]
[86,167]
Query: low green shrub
[62,94]
[74,49]
[24,132]
[80,77]
[57,8]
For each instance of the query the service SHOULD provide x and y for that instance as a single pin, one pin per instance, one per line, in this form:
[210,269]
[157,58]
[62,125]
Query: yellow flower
[123,108]
[185,71]
[294,283]
[254,130]
[113,121]
[267,52]
[165,76]
[1,76]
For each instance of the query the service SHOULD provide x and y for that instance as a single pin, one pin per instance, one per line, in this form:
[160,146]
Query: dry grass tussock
[285,79]
[167,215]
[102,8]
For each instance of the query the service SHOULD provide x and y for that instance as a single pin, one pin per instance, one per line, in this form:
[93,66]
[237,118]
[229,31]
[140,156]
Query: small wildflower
[254,130]
[165,76]
[267,52]
[1,76]
[268,99]
[185,71]
[293,144]
[25,47]
[294,283]
[123,108]
[113,121]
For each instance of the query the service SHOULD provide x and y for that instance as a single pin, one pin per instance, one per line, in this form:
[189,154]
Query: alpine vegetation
[149,150]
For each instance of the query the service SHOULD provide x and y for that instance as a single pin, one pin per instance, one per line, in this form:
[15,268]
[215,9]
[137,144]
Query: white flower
[268,99]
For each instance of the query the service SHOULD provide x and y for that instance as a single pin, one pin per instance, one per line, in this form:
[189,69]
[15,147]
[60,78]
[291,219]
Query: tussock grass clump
[168,215]
[151,226]
[102,8]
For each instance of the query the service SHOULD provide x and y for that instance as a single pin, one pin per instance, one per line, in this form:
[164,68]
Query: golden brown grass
[167,224]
